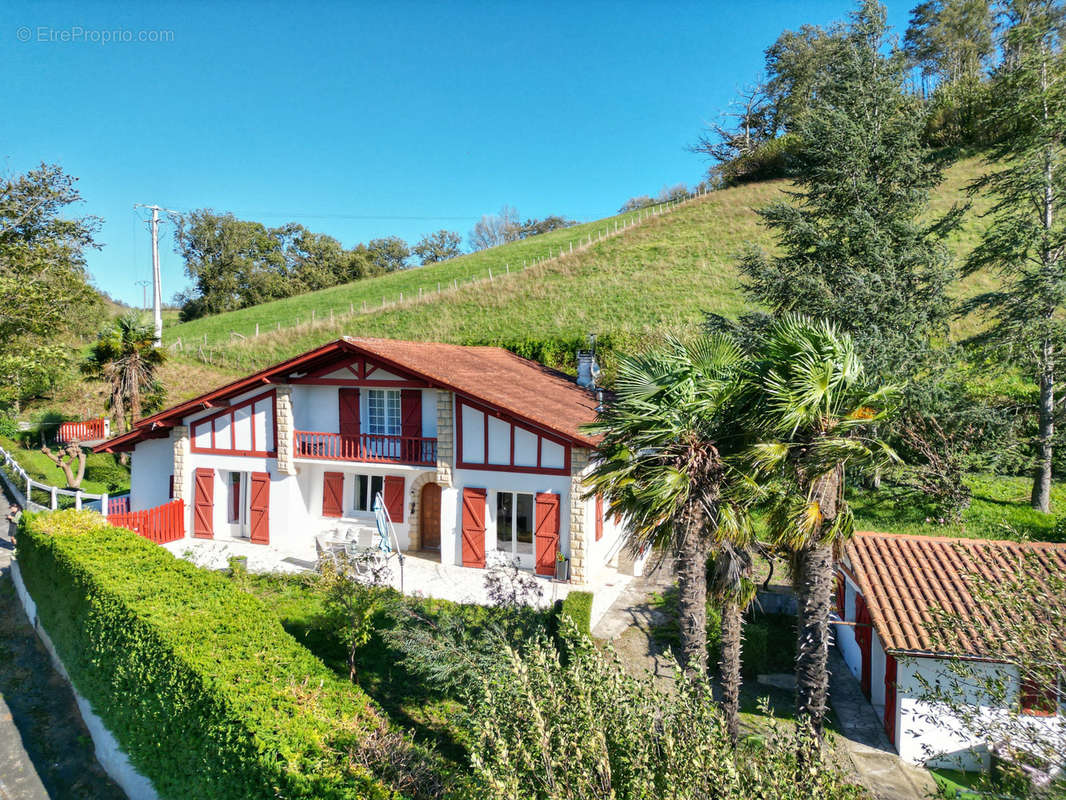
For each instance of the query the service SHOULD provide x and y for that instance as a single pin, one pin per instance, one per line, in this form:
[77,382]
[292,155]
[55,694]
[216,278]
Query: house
[475,451]
[889,589]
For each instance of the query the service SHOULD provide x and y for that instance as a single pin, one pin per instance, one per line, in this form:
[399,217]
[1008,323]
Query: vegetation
[577,607]
[103,473]
[208,695]
[125,358]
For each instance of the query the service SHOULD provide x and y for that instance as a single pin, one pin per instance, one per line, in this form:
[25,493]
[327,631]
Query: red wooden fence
[85,431]
[165,523]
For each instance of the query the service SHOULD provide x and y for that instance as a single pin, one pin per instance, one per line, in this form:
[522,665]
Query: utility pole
[157,289]
[144,293]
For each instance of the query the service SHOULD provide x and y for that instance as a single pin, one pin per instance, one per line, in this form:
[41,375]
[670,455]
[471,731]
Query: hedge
[204,690]
[578,606]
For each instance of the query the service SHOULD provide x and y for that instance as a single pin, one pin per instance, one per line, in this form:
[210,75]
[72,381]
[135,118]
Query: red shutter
[203,517]
[332,494]
[393,497]
[259,508]
[864,638]
[348,412]
[599,517]
[474,527]
[411,423]
[890,697]
[547,532]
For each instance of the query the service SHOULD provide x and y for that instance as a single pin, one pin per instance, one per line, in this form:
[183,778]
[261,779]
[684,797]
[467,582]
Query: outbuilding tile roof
[905,579]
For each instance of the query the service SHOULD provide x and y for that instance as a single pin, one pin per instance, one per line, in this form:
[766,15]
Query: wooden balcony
[368,447]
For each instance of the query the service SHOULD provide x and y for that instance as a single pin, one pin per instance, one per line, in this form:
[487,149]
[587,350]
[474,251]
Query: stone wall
[285,431]
[445,437]
[579,550]
[180,435]
[414,521]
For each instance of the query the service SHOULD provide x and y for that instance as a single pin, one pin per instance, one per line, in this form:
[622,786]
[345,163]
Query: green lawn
[102,472]
[999,510]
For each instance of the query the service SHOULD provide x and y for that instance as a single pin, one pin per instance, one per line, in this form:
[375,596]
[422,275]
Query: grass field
[659,276]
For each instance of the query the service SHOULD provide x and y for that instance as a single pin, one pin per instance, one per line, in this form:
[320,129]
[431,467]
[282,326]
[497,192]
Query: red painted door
[864,638]
[259,508]
[332,494]
[411,423]
[348,412]
[474,527]
[547,532]
[203,512]
[392,494]
[890,697]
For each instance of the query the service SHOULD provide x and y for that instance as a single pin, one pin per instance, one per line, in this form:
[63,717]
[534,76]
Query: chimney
[587,368]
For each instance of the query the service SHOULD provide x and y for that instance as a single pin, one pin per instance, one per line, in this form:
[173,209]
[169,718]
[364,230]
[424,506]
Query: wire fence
[224,354]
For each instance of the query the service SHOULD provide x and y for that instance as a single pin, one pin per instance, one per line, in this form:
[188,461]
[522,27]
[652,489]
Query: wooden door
[864,638]
[890,697]
[473,530]
[546,536]
[429,523]
[203,516]
[259,508]
[348,413]
[332,494]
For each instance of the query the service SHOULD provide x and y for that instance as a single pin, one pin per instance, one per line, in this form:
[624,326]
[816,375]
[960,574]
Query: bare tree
[495,229]
[65,458]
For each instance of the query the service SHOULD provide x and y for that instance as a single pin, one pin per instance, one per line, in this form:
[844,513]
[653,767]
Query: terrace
[367,447]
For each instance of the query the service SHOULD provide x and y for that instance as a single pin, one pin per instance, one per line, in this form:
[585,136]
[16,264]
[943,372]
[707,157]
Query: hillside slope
[658,276]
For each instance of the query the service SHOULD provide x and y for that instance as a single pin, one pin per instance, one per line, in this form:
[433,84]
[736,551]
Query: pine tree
[1025,241]
[854,244]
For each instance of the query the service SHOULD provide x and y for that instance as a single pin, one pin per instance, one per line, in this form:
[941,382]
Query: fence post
[351,308]
[29,492]
[257,329]
[103,504]
[55,500]
[77,499]
[490,274]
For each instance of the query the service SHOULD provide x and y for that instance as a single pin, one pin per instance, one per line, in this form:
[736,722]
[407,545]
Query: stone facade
[285,431]
[180,437]
[445,437]
[579,551]
[414,522]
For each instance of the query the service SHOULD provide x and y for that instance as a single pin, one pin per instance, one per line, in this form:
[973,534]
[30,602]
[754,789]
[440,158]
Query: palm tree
[125,357]
[805,396]
[661,462]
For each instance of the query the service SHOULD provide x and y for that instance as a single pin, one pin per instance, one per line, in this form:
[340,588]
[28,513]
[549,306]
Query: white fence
[21,486]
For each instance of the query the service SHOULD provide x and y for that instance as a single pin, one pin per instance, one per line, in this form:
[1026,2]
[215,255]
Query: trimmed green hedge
[197,680]
[578,606]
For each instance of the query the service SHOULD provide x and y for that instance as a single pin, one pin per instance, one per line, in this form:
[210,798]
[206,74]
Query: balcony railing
[368,447]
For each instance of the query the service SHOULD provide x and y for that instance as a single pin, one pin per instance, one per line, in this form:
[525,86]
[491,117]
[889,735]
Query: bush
[103,468]
[205,691]
[769,644]
[578,607]
[754,652]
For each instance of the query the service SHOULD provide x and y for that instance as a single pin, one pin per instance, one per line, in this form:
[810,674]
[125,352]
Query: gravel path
[45,750]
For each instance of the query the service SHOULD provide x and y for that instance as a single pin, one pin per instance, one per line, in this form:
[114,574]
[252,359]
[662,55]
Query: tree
[312,260]
[854,244]
[951,41]
[1024,242]
[805,400]
[495,229]
[44,291]
[661,463]
[793,65]
[752,127]
[389,253]
[65,458]
[732,585]
[125,358]
[534,227]
[438,246]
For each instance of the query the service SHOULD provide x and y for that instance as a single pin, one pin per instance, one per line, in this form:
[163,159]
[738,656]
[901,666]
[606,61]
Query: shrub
[578,607]
[754,652]
[205,691]
[769,644]
[103,468]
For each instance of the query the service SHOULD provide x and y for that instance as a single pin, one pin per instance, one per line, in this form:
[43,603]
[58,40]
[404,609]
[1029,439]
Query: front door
[430,519]
[890,697]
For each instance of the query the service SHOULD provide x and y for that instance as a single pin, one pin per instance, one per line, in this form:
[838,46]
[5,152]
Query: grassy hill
[657,276]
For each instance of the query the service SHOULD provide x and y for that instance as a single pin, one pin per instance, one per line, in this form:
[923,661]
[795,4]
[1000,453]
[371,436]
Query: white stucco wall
[151,465]
[845,634]
[494,481]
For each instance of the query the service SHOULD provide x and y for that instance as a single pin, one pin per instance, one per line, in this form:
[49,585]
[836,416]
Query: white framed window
[383,412]
[514,523]
[367,488]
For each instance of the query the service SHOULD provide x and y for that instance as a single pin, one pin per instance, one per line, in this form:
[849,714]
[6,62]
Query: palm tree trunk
[692,590]
[729,667]
[815,566]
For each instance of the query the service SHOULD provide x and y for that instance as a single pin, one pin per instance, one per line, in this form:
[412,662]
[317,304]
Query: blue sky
[362,120]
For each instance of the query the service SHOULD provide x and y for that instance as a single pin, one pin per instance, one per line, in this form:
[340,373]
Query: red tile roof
[522,388]
[906,579]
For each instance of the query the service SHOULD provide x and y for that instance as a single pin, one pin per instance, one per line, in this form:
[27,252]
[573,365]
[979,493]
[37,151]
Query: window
[234,498]
[383,412]
[1038,699]
[514,523]
[367,488]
